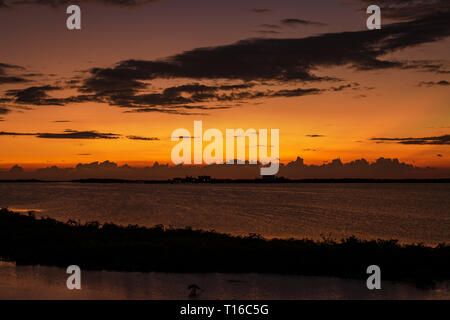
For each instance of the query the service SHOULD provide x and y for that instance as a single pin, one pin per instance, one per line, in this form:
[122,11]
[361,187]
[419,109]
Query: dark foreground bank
[28,240]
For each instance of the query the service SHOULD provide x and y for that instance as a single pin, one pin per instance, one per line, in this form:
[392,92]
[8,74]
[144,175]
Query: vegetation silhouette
[29,240]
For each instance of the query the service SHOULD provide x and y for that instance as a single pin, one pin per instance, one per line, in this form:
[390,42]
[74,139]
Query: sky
[137,70]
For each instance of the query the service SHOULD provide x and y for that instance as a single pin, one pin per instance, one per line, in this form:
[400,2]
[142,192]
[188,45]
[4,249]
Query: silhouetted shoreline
[28,240]
[212,180]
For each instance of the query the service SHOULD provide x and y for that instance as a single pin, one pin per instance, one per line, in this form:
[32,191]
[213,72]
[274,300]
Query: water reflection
[411,213]
[37,282]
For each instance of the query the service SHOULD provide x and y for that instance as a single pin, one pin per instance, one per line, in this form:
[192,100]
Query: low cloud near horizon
[382,168]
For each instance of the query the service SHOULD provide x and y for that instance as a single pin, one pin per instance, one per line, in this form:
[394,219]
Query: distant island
[28,240]
[208,179]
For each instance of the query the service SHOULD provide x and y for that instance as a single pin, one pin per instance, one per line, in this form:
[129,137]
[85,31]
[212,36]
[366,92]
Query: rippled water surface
[409,212]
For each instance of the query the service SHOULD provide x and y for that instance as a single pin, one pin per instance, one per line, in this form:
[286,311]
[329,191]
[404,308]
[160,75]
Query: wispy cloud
[437,140]
[5,70]
[143,138]
[301,22]
[434,83]
[74,134]
[315,136]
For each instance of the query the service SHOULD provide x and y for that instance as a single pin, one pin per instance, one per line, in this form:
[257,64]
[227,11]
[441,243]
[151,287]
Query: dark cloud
[12,79]
[82,135]
[182,99]
[67,134]
[57,3]
[162,110]
[200,107]
[73,134]
[439,140]
[13,134]
[197,88]
[38,95]
[178,110]
[300,22]
[143,138]
[179,99]
[354,86]
[4,110]
[275,59]
[6,78]
[295,92]
[61,121]
[34,75]
[434,83]
[250,63]
[4,66]
[315,136]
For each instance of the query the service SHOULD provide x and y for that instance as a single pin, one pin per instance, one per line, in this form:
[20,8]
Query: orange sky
[386,103]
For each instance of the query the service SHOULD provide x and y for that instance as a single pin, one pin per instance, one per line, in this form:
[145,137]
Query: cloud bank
[380,169]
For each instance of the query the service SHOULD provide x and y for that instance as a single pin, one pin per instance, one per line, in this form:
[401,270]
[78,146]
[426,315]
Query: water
[408,212]
[38,282]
